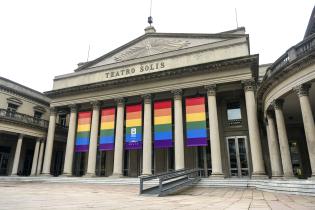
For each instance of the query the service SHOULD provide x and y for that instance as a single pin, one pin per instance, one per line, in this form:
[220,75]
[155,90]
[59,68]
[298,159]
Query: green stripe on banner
[138,128]
[163,128]
[108,132]
[83,134]
[196,125]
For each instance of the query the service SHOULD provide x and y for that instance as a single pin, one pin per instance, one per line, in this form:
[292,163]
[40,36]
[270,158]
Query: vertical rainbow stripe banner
[196,126]
[133,127]
[163,134]
[107,131]
[83,132]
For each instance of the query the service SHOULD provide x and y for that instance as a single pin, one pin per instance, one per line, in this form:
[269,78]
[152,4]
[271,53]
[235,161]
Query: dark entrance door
[4,160]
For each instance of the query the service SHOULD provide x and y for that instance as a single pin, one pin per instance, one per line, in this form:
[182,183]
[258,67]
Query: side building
[24,115]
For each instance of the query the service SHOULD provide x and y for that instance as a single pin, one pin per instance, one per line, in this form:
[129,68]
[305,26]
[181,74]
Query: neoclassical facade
[168,101]
[210,122]
[24,117]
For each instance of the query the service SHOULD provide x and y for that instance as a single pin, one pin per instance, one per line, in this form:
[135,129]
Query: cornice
[251,61]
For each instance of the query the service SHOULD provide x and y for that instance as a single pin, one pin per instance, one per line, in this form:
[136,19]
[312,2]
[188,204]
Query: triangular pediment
[157,43]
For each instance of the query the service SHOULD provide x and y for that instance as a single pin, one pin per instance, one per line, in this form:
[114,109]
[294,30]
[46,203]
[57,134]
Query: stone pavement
[37,195]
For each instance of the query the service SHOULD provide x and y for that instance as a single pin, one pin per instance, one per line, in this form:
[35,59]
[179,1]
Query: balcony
[295,53]
[15,117]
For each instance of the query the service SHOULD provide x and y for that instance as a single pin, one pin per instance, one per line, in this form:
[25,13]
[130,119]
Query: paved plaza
[37,195]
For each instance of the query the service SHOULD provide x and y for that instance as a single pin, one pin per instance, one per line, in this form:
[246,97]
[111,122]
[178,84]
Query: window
[62,119]
[12,107]
[38,115]
[234,115]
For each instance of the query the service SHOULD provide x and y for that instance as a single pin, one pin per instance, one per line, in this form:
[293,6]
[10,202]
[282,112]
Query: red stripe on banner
[85,114]
[134,108]
[109,111]
[162,104]
[195,101]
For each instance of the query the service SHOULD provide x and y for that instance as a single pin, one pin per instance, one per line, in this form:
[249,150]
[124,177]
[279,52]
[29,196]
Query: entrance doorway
[4,160]
[238,156]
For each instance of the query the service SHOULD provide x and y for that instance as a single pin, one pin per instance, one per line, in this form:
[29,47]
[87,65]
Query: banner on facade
[196,126]
[83,132]
[163,134]
[107,129]
[133,139]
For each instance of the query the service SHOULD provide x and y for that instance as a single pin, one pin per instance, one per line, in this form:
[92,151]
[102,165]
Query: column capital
[120,101]
[53,110]
[147,98]
[249,85]
[302,90]
[95,104]
[21,136]
[73,107]
[211,90]
[269,112]
[277,104]
[177,94]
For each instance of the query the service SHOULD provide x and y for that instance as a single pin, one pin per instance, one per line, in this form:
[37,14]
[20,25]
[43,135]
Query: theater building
[24,115]
[161,102]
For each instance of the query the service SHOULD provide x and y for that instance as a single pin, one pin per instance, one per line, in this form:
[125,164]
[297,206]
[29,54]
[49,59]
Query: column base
[117,176]
[46,175]
[14,175]
[89,175]
[260,175]
[216,176]
[288,177]
[66,175]
[277,177]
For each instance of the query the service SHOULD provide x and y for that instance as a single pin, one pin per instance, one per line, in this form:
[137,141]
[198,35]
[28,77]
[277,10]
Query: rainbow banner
[133,127]
[196,127]
[163,134]
[83,132]
[107,130]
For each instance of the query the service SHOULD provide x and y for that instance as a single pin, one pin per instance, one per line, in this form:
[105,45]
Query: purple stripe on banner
[82,148]
[163,144]
[133,145]
[104,147]
[196,142]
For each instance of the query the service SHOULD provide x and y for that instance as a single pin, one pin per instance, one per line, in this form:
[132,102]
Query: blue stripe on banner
[162,135]
[133,137]
[82,141]
[197,133]
[106,139]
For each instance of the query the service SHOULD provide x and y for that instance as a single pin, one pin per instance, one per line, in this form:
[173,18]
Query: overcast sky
[40,39]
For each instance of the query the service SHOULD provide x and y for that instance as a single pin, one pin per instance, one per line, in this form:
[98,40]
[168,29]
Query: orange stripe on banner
[195,109]
[85,114]
[82,121]
[162,112]
[133,115]
[108,118]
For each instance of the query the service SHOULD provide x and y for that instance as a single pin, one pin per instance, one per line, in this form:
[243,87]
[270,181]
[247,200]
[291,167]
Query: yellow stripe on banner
[196,117]
[162,120]
[83,128]
[134,122]
[107,125]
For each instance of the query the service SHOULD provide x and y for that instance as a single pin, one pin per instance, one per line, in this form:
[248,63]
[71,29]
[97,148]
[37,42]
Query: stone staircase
[291,186]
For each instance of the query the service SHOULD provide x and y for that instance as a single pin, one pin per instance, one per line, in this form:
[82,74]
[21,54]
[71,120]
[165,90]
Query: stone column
[216,159]
[273,146]
[93,139]
[147,136]
[119,139]
[40,158]
[253,129]
[67,168]
[283,139]
[308,121]
[179,138]
[35,158]
[49,141]
[17,156]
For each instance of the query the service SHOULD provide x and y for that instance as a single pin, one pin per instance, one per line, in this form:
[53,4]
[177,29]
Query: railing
[296,52]
[23,118]
[170,182]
